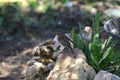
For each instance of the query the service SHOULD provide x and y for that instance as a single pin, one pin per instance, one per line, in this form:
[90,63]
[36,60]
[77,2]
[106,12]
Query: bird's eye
[58,48]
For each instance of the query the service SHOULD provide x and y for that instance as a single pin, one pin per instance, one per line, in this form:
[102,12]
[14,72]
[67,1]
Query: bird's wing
[68,39]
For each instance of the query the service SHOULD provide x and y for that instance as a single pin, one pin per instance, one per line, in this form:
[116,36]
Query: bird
[64,41]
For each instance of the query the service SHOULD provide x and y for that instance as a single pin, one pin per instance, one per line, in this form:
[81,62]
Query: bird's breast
[56,39]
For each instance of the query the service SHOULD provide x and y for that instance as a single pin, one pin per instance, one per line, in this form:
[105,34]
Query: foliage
[1,21]
[80,43]
[12,13]
[44,5]
[9,13]
[100,55]
[63,1]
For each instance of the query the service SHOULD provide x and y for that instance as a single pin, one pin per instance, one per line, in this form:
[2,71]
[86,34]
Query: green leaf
[63,1]
[106,54]
[1,21]
[106,43]
[78,44]
[96,39]
[93,56]
[115,57]
[95,24]
[74,37]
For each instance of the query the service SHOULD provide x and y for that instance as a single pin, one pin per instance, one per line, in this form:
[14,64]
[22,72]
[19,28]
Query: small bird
[64,41]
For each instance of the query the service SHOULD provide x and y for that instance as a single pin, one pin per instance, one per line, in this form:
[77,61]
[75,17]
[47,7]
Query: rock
[86,33]
[104,75]
[112,26]
[32,72]
[103,35]
[68,67]
[112,12]
[9,38]
[42,61]
[70,4]
[37,70]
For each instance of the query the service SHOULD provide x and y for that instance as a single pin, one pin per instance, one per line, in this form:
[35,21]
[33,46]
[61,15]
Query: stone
[112,12]
[68,67]
[32,72]
[42,61]
[104,75]
[112,26]
[86,33]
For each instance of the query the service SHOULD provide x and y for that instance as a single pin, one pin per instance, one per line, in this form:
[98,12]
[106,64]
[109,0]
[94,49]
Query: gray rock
[112,26]
[9,38]
[104,75]
[113,12]
[33,72]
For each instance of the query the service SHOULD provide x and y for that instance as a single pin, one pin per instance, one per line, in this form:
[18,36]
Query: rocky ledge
[50,63]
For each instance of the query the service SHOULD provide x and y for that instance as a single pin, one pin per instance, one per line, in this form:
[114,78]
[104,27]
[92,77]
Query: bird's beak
[53,42]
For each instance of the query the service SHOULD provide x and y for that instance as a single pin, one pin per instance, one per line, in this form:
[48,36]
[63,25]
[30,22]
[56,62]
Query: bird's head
[58,34]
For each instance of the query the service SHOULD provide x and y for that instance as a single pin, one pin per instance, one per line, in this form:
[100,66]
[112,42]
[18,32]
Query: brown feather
[65,41]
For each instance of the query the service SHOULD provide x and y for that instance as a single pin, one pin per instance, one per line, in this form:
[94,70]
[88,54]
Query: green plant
[33,3]
[80,43]
[1,21]
[100,55]
[10,14]
[63,1]
[42,5]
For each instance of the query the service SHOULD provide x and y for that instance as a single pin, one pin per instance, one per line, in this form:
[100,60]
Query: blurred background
[25,23]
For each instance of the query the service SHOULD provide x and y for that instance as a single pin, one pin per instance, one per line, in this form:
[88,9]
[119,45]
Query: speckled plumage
[64,41]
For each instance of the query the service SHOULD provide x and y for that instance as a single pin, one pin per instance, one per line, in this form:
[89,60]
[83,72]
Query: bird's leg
[65,49]
[69,51]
